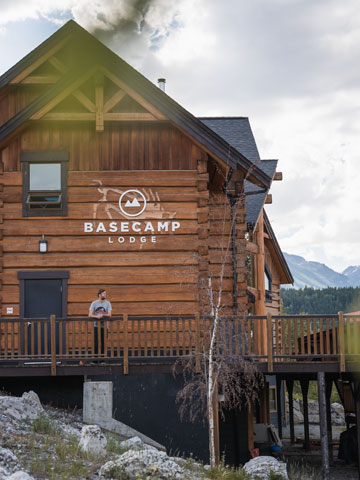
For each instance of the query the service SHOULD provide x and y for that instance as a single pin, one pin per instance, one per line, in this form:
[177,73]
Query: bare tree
[221,363]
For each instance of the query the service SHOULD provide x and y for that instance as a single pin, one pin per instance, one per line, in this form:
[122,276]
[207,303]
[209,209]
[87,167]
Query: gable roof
[237,131]
[215,144]
[288,278]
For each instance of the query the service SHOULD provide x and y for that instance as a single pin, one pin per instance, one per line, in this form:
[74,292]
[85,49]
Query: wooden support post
[328,386]
[290,387]
[53,345]
[269,343]
[305,389]
[250,428]
[357,411]
[126,345]
[341,340]
[278,405]
[263,404]
[323,426]
[197,344]
[216,427]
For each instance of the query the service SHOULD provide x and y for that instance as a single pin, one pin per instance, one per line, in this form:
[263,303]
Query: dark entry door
[42,298]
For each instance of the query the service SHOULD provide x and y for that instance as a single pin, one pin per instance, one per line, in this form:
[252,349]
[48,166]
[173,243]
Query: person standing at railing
[100,309]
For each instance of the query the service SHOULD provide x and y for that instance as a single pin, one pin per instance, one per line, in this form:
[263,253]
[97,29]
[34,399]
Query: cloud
[290,65]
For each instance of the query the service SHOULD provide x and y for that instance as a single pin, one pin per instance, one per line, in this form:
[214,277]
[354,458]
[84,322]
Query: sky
[291,66]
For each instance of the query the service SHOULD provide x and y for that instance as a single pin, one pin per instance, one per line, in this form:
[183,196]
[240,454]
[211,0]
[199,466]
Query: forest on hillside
[329,300]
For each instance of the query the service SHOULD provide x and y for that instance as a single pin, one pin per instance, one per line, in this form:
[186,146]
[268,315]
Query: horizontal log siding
[141,279]
[221,253]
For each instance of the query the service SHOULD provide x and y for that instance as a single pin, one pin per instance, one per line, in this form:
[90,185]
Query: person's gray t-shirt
[97,307]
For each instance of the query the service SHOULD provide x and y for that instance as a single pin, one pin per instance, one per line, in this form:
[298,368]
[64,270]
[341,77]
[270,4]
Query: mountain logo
[132,203]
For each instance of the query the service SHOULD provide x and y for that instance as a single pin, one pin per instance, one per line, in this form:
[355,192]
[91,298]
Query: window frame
[27,158]
[268,292]
[273,389]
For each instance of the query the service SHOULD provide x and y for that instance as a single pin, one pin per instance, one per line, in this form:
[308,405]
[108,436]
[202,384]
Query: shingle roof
[199,131]
[237,131]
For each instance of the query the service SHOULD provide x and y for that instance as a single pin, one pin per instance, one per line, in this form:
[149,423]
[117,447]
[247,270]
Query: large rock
[20,475]
[297,408]
[259,468]
[135,464]
[135,443]
[27,407]
[8,462]
[92,440]
[337,414]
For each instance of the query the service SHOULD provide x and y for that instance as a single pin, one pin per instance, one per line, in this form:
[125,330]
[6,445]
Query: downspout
[232,199]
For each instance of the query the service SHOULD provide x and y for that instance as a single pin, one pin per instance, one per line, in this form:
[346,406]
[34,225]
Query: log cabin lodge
[106,181]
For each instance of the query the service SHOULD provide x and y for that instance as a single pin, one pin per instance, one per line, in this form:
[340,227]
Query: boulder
[93,441]
[27,407]
[298,415]
[20,475]
[8,461]
[337,414]
[314,419]
[259,468]
[143,463]
[313,407]
[135,443]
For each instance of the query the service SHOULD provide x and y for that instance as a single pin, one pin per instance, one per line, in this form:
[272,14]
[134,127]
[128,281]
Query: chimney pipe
[161,83]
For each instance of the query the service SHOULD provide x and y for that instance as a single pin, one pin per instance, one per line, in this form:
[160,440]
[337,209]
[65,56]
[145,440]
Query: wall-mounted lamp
[43,245]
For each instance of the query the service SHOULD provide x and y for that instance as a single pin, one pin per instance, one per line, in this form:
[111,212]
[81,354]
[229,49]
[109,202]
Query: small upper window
[268,282]
[44,183]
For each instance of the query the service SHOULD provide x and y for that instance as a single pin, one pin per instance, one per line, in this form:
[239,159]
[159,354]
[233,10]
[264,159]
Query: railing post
[126,345]
[341,332]
[197,342]
[269,343]
[53,345]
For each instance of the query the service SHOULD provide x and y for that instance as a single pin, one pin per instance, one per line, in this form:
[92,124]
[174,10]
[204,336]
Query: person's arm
[109,312]
[93,314]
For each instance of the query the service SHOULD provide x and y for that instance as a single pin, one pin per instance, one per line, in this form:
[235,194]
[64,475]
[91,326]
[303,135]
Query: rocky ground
[40,442]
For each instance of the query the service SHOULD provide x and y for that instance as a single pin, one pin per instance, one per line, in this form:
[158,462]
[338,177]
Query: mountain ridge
[318,275]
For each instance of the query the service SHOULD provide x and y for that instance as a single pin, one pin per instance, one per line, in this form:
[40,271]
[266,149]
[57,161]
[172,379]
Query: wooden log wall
[274,306]
[221,253]
[141,279]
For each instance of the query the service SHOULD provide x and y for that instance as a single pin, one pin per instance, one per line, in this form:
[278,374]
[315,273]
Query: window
[44,183]
[268,280]
[272,400]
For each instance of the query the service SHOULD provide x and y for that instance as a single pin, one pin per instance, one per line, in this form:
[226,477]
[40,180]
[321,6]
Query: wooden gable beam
[81,97]
[62,95]
[40,80]
[99,102]
[133,94]
[114,100]
[31,68]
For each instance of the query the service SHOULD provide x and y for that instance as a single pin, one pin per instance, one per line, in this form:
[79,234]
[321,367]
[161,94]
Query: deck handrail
[270,338]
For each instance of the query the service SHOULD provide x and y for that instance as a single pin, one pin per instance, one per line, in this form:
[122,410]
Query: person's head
[102,294]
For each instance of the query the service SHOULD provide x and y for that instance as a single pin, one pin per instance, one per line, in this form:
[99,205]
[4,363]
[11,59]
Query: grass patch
[44,425]
[113,446]
[302,471]
[224,472]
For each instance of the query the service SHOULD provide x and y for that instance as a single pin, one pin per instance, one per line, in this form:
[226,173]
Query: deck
[79,346]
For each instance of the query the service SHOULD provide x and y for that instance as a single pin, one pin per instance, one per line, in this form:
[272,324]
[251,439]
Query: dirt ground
[309,463]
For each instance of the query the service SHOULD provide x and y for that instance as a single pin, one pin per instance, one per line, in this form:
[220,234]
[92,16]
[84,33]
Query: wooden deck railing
[270,339]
